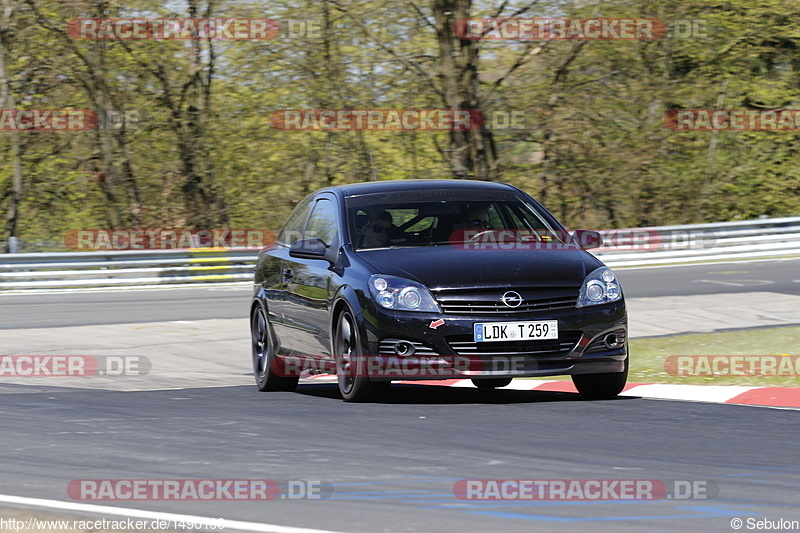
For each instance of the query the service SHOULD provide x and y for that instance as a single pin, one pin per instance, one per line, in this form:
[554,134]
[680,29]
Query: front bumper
[447,350]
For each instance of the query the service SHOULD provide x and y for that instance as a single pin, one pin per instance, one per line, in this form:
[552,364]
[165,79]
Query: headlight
[599,287]
[401,294]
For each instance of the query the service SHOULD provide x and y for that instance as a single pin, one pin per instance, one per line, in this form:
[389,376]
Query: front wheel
[601,386]
[264,361]
[354,383]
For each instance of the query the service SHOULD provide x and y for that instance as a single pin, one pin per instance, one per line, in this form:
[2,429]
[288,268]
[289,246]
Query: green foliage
[595,148]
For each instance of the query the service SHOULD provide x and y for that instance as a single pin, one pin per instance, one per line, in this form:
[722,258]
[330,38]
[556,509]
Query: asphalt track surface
[392,465]
[66,309]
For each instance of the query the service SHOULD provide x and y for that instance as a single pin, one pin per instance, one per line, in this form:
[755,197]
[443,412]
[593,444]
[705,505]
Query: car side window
[322,224]
[293,228]
[494,217]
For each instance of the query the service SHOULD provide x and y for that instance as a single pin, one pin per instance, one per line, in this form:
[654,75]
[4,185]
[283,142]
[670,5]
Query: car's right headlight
[599,287]
[391,292]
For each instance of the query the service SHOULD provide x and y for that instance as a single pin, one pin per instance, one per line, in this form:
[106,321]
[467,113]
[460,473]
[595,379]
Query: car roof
[356,189]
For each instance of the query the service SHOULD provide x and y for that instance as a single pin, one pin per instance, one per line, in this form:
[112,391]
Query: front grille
[489,301]
[465,345]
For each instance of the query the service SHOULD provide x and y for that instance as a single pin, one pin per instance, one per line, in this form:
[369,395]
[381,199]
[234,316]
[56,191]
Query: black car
[434,279]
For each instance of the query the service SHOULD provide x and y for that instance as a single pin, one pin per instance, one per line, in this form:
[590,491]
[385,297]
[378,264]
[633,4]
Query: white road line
[527,384]
[700,263]
[692,393]
[736,282]
[155,515]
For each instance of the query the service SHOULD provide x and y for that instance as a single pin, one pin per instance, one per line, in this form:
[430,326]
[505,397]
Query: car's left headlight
[599,287]
[391,292]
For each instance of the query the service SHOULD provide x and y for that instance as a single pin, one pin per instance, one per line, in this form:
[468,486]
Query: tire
[601,386]
[353,385]
[491,383]
[264,362]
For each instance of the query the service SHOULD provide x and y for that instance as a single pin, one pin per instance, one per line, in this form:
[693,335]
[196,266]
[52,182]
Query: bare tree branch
[413,65]
[422,16]
[521,60]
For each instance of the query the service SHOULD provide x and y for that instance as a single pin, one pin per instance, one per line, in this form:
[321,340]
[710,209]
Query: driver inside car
[375,233]
[476,218]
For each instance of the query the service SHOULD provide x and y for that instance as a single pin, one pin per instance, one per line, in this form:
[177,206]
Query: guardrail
[724,241]
[125,268]
[660,245]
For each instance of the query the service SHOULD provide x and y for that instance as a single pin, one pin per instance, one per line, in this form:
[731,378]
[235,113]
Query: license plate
[515,331]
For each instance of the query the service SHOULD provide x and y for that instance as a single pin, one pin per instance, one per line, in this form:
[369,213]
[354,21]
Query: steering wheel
[478,235]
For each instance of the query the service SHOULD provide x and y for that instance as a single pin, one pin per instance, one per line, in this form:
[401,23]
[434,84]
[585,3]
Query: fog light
[404,348]
[611,341]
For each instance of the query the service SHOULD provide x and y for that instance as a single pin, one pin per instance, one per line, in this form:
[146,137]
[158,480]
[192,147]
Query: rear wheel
[492,383]
[264,360]
[354,384]
[601,386]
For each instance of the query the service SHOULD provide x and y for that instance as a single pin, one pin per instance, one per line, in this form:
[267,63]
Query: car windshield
[442,218]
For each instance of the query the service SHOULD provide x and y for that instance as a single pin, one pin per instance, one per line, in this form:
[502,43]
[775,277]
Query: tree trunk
[459,79]
[7,101]
[204,205]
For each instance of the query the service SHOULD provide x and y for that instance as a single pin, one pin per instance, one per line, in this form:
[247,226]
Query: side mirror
[308,249]
[587,239]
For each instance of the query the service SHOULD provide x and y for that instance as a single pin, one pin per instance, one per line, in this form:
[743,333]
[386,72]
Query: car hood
[444,266]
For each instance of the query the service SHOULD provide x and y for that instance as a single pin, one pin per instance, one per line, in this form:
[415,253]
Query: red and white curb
[740,395]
